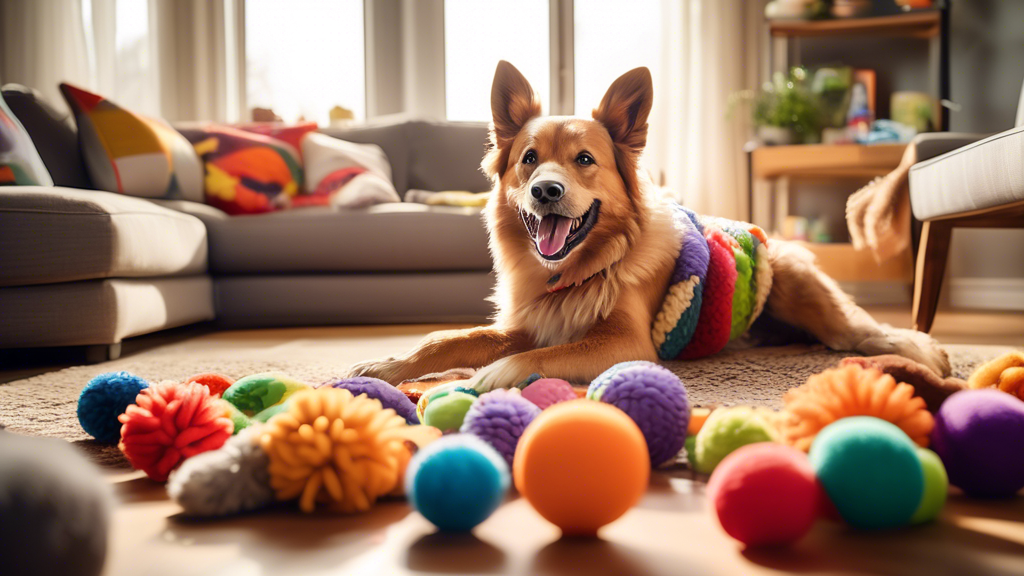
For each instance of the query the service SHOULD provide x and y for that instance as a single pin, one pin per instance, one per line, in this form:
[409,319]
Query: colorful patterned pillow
[290,134]
[20,164]
[246,173]
[131,153]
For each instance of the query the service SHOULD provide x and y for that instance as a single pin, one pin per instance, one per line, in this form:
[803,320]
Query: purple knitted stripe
[693,253]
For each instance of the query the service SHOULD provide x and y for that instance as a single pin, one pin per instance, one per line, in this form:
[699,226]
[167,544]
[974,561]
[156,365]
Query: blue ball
[105,398]
[457,482]
[870,471]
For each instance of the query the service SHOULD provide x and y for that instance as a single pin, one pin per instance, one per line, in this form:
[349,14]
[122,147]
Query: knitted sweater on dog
[718,288]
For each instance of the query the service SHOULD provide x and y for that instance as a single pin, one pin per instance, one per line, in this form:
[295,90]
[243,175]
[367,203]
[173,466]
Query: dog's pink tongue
[552,233]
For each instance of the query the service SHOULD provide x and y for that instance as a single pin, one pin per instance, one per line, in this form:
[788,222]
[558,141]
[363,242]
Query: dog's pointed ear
[625,107]
[513,104]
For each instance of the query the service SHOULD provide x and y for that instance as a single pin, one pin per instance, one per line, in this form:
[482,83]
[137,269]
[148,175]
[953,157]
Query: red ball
[217,383]
[765,494]
[169,422]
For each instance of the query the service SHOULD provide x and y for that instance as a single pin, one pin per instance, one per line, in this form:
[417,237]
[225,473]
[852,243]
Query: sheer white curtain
[711,49]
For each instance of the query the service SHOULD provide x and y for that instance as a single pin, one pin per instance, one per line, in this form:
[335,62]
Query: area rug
[45,405]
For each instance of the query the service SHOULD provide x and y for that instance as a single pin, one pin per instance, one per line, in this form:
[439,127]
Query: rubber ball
[457,482]
[389,396]
[582,465]
[447,411]
[979,435]
[765,494]
[727,429]
[105,398]
[936,487]
[870,471]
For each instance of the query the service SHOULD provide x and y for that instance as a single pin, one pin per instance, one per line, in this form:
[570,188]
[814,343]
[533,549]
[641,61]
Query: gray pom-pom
[229,480]
[54,509]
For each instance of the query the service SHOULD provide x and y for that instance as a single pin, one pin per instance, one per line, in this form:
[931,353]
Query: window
[479,33]
[609,41]
[304,57]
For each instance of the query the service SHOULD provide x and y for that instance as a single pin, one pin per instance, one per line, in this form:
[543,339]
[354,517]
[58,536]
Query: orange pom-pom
[216,383]
[169,422]
[1005,373]
[852,391]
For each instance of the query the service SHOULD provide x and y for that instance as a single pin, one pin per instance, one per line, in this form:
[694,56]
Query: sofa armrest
[932,144]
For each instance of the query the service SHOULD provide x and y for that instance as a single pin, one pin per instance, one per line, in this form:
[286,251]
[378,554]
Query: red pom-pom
[170,422]
[217,383]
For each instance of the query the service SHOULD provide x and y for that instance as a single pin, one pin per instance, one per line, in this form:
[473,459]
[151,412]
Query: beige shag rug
[45,405]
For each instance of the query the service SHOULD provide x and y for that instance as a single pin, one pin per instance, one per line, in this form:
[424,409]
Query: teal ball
[105,398]
[457,482]
[870,471]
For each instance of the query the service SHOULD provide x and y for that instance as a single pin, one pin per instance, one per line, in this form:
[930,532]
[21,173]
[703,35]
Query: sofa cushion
[20,164]
[385,238]
[60,234]
[988,173]
[52,132]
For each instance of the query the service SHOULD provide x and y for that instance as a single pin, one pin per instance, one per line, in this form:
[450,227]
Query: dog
[584,247]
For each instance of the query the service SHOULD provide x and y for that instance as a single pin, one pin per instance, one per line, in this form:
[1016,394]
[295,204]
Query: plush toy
[979,435]
[581,465]
[936,487]
[545,392]
[171,421]
[870,470]
[216,383]
[1005,373]
[765,494]
[851,390]
[727,429]
[332,448]
[457,482]
[927,384]
[257,392]
[55,509]
[499,418]
[654,398]
[105,398]
[447,410]
[389,396]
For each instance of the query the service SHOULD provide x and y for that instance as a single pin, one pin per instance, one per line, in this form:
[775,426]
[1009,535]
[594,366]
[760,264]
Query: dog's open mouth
[555,236]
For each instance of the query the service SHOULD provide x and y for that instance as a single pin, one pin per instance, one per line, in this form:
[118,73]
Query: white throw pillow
[324,155]
[365,190]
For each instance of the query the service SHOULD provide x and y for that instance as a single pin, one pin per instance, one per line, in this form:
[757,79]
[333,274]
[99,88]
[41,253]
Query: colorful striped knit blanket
[719,286]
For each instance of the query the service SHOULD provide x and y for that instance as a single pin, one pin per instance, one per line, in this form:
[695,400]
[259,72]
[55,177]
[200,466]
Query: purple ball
[499,418]
[654,398]
[389,396]
[979,435]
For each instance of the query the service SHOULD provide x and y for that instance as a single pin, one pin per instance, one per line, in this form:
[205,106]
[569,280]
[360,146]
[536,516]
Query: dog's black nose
[547,191]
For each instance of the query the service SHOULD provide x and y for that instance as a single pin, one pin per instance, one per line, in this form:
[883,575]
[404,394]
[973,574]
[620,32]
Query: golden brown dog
[584,246]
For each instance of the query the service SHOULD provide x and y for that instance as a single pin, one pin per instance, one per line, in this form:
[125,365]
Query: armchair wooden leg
[931,266]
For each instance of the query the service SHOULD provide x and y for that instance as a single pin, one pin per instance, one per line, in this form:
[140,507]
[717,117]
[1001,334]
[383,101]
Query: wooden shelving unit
[921,24]
[823,160]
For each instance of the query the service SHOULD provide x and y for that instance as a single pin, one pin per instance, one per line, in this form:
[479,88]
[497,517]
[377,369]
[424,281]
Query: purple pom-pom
[654,398]
[389,396]
[549,391]
[499,418]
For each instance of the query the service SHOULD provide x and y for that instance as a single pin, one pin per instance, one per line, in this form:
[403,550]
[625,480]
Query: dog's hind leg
[804,296]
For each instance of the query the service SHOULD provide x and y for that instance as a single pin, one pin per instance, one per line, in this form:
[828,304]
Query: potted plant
[784,111]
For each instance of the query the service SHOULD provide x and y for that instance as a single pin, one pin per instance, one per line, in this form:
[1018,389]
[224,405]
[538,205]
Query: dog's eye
[584,159]
[530,157]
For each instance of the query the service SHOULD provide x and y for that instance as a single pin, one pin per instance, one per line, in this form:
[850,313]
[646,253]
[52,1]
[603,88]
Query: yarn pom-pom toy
[457,482]
[581,465]
[171,421]
[229,480]
[545,392]
[765,494]
[499,418]
[927,384]
[55,509]
[852,390]
[447,410]
[254,394]
[979,435]
[105,398]
[870,470]
[332,448]
[726,430]
[216,383]
[654,398]
[389,396]
[1005,373]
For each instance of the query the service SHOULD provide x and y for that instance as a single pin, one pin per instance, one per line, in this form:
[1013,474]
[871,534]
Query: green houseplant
[784,111]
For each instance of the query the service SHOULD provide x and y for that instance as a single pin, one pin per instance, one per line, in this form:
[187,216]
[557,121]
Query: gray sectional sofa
[84,267]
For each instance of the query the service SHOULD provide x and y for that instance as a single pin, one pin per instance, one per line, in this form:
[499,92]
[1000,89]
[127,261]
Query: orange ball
[582,464]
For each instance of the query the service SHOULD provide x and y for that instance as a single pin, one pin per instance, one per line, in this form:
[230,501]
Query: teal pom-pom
[105,398]
[457,482]
[870,470]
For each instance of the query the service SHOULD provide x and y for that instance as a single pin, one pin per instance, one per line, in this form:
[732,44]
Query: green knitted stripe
[743,297]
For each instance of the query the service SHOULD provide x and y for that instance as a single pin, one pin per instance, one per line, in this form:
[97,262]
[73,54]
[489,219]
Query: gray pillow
[53,135]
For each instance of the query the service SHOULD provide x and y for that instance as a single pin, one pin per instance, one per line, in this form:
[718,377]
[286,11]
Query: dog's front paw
[387,370]
[917,346]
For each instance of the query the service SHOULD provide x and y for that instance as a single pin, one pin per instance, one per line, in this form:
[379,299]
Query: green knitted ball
[725,430]
[447,412]
[870,470]
[936,486]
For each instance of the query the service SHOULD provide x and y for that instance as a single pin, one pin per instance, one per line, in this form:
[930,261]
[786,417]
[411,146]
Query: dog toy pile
[719,286]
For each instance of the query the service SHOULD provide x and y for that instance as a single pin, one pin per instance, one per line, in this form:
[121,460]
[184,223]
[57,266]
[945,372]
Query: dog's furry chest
[567,316]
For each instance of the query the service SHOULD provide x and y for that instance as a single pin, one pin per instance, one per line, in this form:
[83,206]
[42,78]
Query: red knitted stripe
[715,323]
